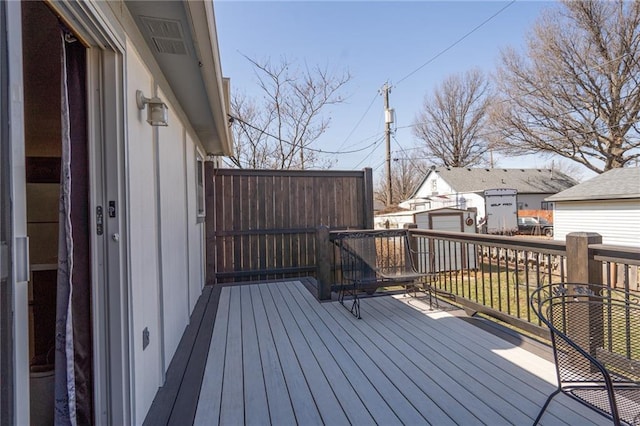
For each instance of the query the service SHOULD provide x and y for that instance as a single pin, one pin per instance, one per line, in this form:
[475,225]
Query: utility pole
[388,119]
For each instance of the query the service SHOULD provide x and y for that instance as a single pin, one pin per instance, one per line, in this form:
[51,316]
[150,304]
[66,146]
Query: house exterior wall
[432,186]
[531,201]
[173,232]
[618,221]
[166,239]
[441,195]
[144,241]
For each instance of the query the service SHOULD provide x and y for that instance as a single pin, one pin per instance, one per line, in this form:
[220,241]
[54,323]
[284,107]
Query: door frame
[105,66]
[110,304]
[15,223]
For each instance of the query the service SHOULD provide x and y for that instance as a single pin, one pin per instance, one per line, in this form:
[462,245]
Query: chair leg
[544,407]
[355,307]
[341,295]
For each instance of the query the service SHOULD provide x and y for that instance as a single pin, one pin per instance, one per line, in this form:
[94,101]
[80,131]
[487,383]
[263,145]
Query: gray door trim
[14,223]
[6,367]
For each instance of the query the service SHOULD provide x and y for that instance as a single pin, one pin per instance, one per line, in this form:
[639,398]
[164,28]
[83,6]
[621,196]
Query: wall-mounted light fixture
[157,111]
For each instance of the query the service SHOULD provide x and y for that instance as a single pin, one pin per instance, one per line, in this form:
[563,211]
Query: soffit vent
[165,45]
[166,34]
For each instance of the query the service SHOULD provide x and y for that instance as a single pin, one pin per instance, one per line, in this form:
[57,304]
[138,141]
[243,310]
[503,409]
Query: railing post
[323,259]
[368,199]
[412,243]
[583,269]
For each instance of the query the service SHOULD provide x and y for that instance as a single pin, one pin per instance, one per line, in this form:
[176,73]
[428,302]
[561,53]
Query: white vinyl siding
[618,221]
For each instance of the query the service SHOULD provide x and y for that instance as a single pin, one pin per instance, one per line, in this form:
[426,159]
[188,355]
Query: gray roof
[525,181]
[615,184]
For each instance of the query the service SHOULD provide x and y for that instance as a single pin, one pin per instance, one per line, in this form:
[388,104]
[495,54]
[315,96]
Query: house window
[200,205]
[434,187]
[547,205]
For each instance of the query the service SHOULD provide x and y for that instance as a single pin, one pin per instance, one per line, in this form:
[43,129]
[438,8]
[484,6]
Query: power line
[483,135]
[298,145]
[359,121]
[411,159]
[451,46]
[538,121]
[370,153]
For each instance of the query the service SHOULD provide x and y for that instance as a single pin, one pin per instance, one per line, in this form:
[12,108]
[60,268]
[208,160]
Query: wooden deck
[278,356]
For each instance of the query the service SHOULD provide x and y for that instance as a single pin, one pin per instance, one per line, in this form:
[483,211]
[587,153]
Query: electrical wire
[451,46]
[408,157]
[233,163]
[370,153]
[359,121]
[321,151]
[484,135]
[501,101]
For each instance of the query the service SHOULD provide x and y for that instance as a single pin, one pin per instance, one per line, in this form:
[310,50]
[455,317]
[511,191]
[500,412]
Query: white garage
[608,204]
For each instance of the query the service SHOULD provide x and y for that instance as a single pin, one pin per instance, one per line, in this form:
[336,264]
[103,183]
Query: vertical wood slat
[236,218]
[255,212]
[279,210]
[245,221]
[253,206]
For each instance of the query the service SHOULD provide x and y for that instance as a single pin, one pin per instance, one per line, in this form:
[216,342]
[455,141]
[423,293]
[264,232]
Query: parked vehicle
[535,226]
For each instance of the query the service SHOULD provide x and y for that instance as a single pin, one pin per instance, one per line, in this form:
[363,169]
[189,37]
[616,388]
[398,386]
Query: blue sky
[375,41]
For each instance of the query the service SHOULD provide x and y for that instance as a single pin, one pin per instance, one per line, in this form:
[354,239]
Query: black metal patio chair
[595,333]
[381,258]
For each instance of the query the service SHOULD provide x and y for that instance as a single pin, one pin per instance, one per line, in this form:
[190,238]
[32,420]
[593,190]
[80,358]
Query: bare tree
[252,147]
[452,121]
[575,92]
[277,130]
[406,175]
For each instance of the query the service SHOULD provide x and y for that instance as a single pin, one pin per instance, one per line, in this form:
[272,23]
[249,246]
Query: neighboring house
[125,257]
[463,188]
[608,204]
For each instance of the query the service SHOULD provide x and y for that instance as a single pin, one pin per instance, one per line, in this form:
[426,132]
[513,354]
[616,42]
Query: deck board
[255,396]
[460,376]
[352,405]
[328,406]
[208,411]
[278,356]
[338,345]
[302,401]
[528,379]
[280,408]
[233,401]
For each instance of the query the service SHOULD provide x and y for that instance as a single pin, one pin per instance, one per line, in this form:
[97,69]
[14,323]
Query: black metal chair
[379,258]
[595,333]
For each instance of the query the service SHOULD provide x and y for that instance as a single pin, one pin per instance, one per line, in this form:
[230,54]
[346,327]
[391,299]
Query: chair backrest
[357,257]
[591,325]
[364,254]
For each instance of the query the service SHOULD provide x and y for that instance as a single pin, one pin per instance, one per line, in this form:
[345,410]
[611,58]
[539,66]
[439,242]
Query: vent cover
[166,34]
[166,45]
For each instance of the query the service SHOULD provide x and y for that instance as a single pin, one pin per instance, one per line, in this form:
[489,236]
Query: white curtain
[65,394]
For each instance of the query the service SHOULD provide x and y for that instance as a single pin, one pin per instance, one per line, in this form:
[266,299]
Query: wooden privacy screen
[262,224]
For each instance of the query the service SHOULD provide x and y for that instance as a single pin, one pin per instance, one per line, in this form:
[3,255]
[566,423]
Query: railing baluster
[482,269]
